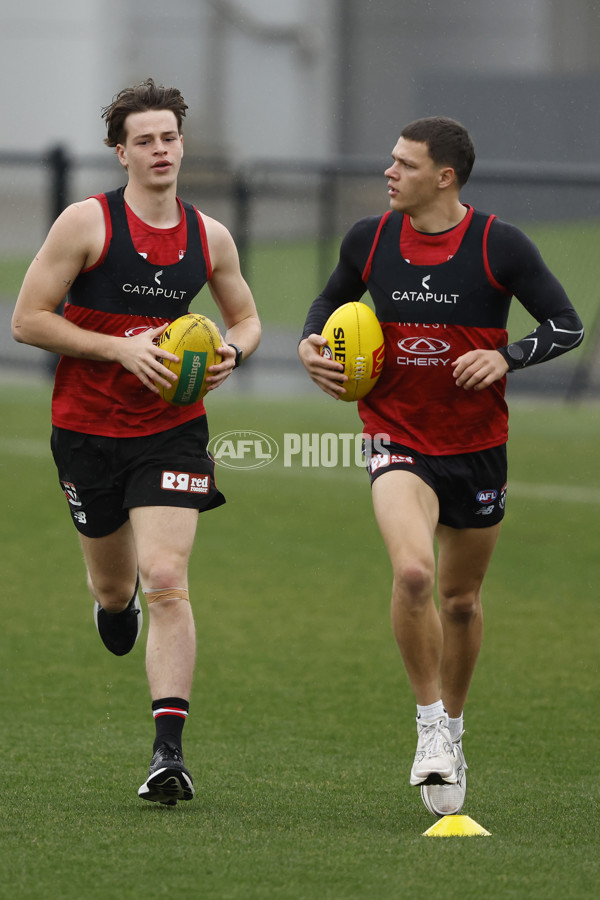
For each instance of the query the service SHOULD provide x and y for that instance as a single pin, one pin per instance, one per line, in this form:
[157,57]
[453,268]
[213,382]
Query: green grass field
[301,731]
[284,275]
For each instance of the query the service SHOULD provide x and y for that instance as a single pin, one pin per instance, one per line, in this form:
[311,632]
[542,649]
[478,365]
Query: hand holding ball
[355,339]
[194,339]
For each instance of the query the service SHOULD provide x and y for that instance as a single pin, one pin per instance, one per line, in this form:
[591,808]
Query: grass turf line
[301,734]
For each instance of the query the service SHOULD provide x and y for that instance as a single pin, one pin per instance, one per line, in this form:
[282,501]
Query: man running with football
[128,262]
[441,276]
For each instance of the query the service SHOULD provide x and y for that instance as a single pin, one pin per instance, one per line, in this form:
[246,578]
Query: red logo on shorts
[185,481]
[380,460]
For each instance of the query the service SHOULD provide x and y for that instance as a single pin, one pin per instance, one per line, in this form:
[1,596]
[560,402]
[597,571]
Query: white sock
[456,727]
[432,712]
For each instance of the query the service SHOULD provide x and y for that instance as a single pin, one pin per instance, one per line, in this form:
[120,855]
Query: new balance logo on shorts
[185,481]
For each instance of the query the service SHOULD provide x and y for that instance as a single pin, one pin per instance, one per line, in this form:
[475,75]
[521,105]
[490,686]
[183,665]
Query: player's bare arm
[74,243]
[326,373]
[234,299]
[478,369]
[70,244]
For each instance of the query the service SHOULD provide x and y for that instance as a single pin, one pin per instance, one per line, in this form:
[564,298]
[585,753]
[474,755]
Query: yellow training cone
[455,826]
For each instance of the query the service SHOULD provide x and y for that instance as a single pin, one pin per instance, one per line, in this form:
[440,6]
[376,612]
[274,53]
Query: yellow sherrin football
[194,339]
[354,338]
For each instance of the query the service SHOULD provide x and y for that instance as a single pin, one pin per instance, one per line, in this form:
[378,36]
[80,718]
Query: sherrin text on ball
[355,339]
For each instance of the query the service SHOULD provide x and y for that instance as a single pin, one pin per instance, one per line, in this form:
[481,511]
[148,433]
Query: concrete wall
[512,71]
[256,75]
[294,80]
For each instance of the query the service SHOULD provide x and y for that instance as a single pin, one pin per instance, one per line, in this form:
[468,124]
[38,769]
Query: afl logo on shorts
[487,496]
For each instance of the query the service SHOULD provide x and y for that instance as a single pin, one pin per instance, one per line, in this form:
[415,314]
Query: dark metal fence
[269,200]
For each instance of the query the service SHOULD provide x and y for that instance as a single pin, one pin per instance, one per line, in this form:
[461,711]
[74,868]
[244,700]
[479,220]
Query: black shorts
[470,487]
[104,477]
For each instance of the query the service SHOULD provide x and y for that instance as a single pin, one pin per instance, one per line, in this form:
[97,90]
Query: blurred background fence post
[288,217]
[60,167]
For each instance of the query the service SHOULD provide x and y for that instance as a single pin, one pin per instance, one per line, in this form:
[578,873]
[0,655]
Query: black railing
[329,189]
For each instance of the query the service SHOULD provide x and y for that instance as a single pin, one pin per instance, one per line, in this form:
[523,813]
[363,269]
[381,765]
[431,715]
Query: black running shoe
[168,779]
[119,631]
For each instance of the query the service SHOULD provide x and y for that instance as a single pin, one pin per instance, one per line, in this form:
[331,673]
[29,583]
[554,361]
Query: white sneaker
[448,799]
[434,760]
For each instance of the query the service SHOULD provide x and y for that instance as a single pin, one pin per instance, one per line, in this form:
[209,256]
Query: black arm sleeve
[345,284]
[517,265]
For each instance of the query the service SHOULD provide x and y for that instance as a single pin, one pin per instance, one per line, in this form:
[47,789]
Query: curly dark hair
[448,141]
[140,98]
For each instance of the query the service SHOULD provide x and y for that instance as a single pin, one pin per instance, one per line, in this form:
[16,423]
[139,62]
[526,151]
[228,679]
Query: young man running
[441,276]
[128,262]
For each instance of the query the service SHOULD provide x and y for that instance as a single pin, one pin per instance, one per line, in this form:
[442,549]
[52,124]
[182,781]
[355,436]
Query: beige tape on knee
[166,594]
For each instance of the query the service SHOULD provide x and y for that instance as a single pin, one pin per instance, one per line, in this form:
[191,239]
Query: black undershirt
[515,263]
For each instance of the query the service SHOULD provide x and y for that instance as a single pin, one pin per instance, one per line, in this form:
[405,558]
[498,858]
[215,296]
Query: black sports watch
[238,355]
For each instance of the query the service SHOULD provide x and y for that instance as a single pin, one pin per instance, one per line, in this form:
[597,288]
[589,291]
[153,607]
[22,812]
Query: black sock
[169,714]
